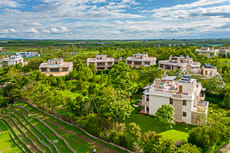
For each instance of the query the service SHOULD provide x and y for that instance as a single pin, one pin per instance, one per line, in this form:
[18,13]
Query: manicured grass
[150,123]
[224,60]
[6,143]
[74,136]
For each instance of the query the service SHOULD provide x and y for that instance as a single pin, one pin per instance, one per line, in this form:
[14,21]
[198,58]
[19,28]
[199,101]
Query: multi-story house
[12,60]
[181,62]
[206,71]
[102,62]
[225,51]
[185,95]
[208,51]
[140,60]
[56,67]
[28,54]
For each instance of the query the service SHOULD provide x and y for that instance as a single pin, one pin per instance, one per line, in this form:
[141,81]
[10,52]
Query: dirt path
[224,149]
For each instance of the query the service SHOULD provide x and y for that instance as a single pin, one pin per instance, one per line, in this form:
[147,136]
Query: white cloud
[8,3]
[12,30]
[32,30]
[84,19]
[200,8]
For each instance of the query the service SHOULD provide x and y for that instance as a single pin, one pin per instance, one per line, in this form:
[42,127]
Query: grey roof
[169,78]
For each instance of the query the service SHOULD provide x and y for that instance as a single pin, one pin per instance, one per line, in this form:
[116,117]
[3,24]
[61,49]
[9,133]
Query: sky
[114,19]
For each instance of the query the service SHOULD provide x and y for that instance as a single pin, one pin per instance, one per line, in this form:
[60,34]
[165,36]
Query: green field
[150,123]
[6,144]
[40,131]
[224,60]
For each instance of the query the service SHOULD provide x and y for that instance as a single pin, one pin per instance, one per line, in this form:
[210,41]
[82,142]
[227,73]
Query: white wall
[156,102]
[188,110]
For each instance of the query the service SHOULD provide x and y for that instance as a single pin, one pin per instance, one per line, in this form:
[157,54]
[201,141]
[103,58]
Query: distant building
[28,54]
[56,67]
[12,60]
[141,60]
[208,51]
[225,50]
[185,95]
[181,62]
[207,71]
[73,53]
[102,62]
[1,49]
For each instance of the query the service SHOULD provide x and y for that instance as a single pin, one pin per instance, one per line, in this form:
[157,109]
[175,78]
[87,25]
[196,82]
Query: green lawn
[150,123]
[224,60]
[77,138]
[6,143]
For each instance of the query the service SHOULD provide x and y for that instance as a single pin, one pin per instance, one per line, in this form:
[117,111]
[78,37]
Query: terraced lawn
[39,132]
[150,123]
[6,144]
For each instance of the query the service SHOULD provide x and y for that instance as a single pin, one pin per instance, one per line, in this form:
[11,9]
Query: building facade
[208,51]
[207,71]
[12,60]
[56,67]
[28,54]
[180,62]
[185,95]
[225,51]
[140,60]
[101,62]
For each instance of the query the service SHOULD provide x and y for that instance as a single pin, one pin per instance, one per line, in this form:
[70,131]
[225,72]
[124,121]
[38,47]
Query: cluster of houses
[186,95]
[12,60]
[211,52]
[28,54]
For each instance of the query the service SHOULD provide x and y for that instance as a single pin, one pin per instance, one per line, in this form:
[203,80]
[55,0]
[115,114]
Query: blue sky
[114,19]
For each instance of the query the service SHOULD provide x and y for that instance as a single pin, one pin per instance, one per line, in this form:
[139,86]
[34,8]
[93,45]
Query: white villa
[12,60]
[181,62]
[225,50]
[56,67]
[102,62]
[141,60]
[207,51]
[28,54]
[207,71]
[185,95]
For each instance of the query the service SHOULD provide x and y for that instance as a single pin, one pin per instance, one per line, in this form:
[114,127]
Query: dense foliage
[101,101]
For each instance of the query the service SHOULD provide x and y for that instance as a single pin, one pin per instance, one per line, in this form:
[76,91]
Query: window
[184,114]
[184,103]
[171,101]
[147,97]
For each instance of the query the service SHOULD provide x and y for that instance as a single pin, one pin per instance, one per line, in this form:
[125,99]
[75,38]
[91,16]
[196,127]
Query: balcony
[202,107]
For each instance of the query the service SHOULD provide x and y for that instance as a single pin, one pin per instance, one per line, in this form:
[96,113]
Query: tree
[133,134]
[165,115]
[115,111]
[188,148]
[226,101]
[204,137]
[155,143]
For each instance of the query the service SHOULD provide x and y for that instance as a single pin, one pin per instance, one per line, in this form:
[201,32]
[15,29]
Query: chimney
[170,58]
[157,82]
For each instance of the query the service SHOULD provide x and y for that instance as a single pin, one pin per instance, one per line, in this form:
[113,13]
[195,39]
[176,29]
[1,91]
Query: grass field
[224,60]
[40,131]
[6,144]
[150,123]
